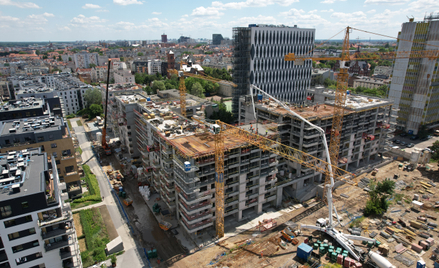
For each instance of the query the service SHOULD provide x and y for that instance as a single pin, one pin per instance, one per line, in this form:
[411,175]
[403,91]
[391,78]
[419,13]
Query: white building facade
[415,84]
[84,59]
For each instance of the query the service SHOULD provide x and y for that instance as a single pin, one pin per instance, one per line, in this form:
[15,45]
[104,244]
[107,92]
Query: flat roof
[22,104]
[203,144]
[22,169]
[37,124]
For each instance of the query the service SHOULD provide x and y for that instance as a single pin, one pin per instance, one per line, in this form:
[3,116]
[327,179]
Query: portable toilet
[420,264]
[304,251]
[187,166]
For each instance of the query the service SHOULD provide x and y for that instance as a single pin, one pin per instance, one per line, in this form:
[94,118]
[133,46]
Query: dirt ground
[112,233]
[233,252]
[77,223]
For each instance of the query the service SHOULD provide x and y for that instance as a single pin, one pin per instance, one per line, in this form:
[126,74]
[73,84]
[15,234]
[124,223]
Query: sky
[71,20]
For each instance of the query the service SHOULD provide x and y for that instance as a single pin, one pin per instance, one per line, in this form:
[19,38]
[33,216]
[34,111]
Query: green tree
[112,81]
[54,57]
[140,54]
[59,58]
[158,85]
[70,58]
[222,114]
[435,148]
[37,52]
[60,52]
[122,59]
[95,110]
[92,96]
[423,131]
[91,65]
[328,82]
[22,52]
[383,50]
[197,90]
[377,203]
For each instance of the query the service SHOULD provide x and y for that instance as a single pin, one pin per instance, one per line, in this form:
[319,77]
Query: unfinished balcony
[191,209]
[64,228]
[191,228]
[59,242]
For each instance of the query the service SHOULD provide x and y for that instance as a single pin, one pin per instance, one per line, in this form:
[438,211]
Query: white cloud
[39,18]
[299,16]
[371,11]
[90,6]
[127,2]
[65,28]
[84,21]
[209,11]
[329,10]
[252,3]
[330,1]
[8,19]
[18,4]
[386,2]
[102,10]
[156,13]
[423,5]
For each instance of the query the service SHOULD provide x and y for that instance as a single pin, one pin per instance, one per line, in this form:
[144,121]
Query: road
[133,256]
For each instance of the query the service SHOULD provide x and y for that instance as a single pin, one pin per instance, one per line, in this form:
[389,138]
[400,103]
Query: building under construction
[367,126]
[178,158]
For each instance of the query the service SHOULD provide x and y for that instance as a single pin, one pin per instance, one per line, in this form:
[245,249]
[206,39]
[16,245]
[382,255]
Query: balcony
[66,241]
[191,228]
[54,219]
[231,211]
[231,200]
[191,219]
[190,209]
[57,232]
[67,157]
[71,173]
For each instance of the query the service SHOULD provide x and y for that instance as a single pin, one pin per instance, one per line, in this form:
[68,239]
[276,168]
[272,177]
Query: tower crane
[105,146]
[342,81]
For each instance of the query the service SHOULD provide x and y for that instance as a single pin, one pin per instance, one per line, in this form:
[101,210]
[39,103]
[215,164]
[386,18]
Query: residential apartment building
[84,59]
[71,90]
[5,90]
[415,82]
[99,73]
[36,225]
[52,135]
[123,77]
[259,52]
[370,82]
[216,39]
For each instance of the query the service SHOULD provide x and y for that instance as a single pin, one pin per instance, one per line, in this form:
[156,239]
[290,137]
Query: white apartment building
[123,77]
[84,59]
[259,52]
[36,225]
[415,82]
[154,66]
[99,73]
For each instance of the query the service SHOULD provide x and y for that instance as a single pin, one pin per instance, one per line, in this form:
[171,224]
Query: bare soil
[111,230]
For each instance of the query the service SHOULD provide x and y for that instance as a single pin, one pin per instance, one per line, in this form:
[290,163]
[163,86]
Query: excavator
[105,146]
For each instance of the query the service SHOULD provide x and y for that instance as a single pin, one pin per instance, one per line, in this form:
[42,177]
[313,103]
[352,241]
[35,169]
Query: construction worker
[262,253]
[266,132]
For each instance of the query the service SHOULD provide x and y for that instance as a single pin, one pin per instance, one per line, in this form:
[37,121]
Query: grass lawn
[79,150]
[70,125]
[96,236]
[79,123]
[93,195]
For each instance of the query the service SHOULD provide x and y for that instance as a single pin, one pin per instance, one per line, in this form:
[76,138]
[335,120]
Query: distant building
[216,39]
[84,59]
[318,76]
[171,60]
[123,77]
[184,39]
[382,72]
[370,82]
[164,38]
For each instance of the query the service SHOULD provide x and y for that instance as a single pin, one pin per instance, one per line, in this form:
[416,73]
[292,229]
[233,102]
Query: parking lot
[417,143]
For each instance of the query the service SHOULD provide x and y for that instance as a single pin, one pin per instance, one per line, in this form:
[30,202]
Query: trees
[37,52]
[158,85]
[59,58]
[377,203]
[92,65]
[95,110]
[197,90]
[140,54]
[423,131]
[222,114]
[122,59]
[92,96]
[328,82]
[435,151]
[218,73]
[70,58]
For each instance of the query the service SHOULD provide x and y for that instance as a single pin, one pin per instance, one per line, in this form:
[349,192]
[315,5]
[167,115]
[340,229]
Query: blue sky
[67,20]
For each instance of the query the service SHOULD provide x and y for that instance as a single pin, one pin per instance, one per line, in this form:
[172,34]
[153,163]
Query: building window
[25,204]
[5,211]
[53,145]
[55,154]
[41,138]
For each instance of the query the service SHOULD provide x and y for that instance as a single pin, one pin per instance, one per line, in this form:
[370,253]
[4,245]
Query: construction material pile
[145,192]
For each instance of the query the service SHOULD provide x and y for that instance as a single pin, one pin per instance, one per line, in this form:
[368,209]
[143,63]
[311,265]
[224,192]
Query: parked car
[426,138]
[396,141]
[411,145]
[414,137]
[395,147]
[403,134]
[403,143]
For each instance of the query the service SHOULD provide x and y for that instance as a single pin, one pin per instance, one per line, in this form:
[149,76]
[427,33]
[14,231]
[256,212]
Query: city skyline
[43,20]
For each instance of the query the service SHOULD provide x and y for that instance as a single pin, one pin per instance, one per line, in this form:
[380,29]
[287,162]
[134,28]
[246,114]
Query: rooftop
[26,103]
[35,124]
[21,173]
[354,103]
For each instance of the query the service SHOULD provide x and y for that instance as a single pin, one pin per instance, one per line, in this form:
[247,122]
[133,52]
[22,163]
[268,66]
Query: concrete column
[239,215]
[279,196]
[177,206]
[258,208]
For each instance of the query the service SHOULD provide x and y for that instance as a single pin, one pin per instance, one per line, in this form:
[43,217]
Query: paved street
[418,143]
[133,256]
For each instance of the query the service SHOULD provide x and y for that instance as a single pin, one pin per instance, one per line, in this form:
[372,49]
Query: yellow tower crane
[342,81]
